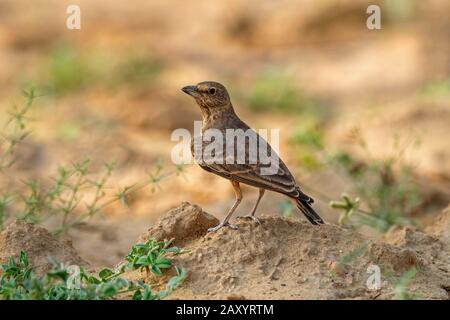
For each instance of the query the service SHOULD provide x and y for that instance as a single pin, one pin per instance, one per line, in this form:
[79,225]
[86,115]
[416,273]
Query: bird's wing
[282,181]
[257,173]
[251,174]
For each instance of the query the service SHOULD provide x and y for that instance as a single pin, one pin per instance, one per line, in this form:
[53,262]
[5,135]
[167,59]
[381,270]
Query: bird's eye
[212,91]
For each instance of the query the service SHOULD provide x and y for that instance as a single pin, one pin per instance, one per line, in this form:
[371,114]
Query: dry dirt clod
[184,223]
[38,244]
[400,259]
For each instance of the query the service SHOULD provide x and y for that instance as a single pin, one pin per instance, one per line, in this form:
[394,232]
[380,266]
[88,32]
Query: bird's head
[209,95]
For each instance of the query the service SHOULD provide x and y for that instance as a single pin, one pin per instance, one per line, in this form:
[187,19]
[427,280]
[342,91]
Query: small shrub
[400,10]
[66,196]
[385,187]
[73,195]
[19,282]
[437,88]
[401,289]
[137,68]
[307,142]
[15,130]
[68,70]
[274,91]
[151,256]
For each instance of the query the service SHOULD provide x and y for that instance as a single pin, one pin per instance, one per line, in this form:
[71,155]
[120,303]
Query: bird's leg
[252,214]
[238,192]
[261,193]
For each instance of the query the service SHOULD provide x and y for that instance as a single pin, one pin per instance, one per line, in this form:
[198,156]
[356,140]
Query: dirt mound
[287,259]
[441,225]
[184,224]
[39,245]
[280,258]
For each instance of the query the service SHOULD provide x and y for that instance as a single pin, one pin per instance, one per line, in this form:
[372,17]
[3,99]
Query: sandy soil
[280,258]
[290,259]
[38,244]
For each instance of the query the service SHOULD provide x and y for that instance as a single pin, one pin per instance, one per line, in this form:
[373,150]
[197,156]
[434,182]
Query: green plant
[65,197]
[389,196]
[5,201]
[347,205]
[73,195]
[71,69]
[137,68]
[15,130]
[153,181]
[69,131]
[275,91]
[68,70]
[19,282]
[384,187]
[308,136]
[151,256]
[400,10]
[401,289]
[437,88]
[307,142]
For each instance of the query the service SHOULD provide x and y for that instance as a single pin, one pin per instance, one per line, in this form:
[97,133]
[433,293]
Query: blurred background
[361,112]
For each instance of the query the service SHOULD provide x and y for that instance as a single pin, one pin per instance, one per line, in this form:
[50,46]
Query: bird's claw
[221,225]
[254,218]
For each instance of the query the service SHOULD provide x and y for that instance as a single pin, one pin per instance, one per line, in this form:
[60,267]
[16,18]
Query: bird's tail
[305,207]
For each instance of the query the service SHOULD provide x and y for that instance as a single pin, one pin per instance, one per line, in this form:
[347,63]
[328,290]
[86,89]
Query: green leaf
[93,280]
[142,261]
[147,294]
[163,263]
[122,283]
[105,273]
[137,295]
[58,273]
[109,290]
[156,270]
[23,259]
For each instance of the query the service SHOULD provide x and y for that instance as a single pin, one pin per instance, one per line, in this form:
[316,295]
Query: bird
[218,113]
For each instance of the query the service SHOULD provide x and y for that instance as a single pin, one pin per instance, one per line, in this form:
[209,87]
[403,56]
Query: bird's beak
[192,91]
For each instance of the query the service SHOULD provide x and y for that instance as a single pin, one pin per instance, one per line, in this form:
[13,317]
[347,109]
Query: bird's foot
[250,216]
[221,225]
